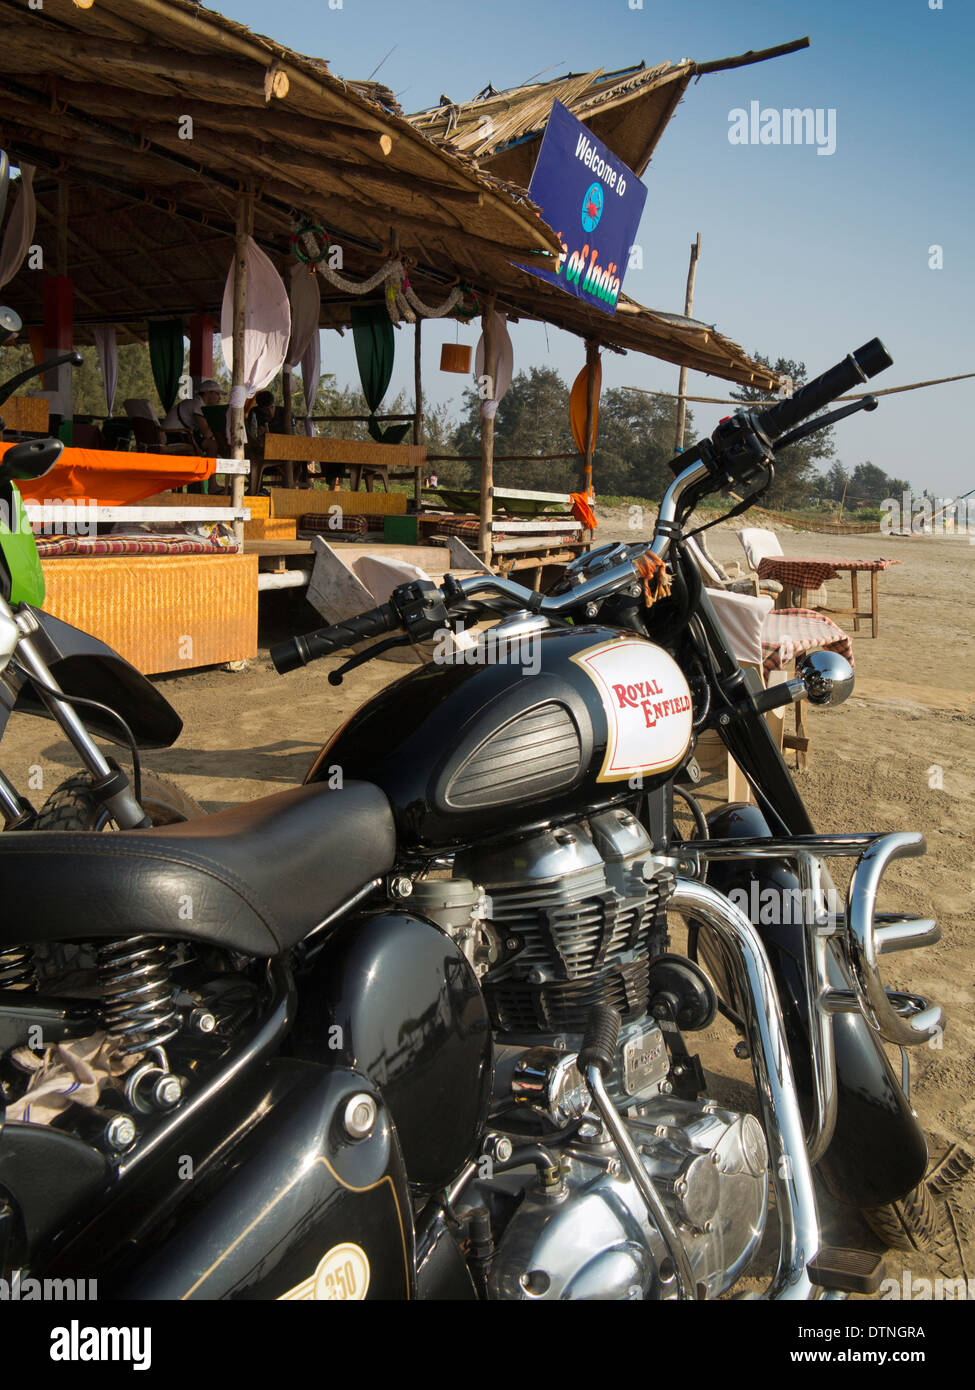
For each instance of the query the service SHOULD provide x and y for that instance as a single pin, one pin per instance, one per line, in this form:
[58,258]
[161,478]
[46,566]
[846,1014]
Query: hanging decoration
[306,307]
[166,358]
[503,366]
[311,246]
[455,357]
[267,328]
[106,345]
[372,333]
[19,231]
[305,345]
[311,372]
[577,406]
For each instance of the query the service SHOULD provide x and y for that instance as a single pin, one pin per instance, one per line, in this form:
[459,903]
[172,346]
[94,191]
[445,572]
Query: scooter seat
[256,878]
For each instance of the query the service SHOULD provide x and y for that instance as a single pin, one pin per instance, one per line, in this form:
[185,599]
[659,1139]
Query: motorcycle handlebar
[859,366]
[298,651]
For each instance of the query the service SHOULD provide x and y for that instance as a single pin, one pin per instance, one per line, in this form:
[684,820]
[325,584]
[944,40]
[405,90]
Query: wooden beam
[417,390]
[314,132]
[244,228]
[682,382]
[592,363]
[760,55]
[176,64]
[487,432]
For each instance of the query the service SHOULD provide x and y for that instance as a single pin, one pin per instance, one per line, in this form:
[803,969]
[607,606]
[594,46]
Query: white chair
[382,575]
[715,574]
[742,616]
[760,544]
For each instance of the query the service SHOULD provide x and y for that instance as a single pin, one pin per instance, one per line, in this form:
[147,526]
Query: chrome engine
[556,922]
[588,1235]
[581,912]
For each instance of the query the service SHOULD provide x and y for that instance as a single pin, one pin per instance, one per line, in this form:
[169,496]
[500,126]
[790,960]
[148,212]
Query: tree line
[634,444]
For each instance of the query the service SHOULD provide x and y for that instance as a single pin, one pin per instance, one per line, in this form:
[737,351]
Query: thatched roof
[97,98]
[99,95]
[628,110]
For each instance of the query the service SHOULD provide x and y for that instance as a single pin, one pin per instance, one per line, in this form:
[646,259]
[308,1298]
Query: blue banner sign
[593,202]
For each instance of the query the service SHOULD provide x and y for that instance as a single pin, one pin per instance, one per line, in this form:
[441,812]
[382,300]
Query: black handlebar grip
[600,1040]
[298,651]
[867,361]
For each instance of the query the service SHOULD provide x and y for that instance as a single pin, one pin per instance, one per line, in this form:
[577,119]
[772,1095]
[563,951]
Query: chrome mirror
[828,677]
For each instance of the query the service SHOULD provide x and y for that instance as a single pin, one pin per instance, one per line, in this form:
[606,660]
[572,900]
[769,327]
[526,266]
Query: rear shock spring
[17,968]
[137,992]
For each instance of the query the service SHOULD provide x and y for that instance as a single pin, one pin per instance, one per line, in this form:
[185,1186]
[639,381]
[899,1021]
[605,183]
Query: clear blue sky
[802,254]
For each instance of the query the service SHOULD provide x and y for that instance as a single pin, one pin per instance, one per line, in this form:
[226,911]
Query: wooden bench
[364,459]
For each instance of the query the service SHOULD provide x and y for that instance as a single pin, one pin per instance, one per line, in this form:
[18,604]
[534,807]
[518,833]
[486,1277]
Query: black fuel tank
[565,719]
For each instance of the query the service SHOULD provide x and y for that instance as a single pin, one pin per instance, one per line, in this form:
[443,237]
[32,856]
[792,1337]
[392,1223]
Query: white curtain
[20,229]
[503,365]
[311,370]
[267,324]
[106,344]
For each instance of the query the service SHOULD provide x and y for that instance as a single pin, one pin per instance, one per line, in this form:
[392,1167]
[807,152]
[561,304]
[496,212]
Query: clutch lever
[821,421]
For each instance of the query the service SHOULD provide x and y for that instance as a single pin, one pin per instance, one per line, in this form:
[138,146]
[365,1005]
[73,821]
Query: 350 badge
[340,1275]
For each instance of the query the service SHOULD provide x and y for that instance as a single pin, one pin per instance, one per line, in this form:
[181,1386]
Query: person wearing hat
[187,416]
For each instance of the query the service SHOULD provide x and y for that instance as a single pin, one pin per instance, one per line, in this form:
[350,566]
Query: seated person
[187,415]
[259,419]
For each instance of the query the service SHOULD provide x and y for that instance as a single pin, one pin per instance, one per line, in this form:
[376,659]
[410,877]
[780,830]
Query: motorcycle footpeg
[846,1271]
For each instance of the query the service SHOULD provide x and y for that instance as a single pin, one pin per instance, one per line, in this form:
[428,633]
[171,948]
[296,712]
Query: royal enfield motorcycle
[419,1027]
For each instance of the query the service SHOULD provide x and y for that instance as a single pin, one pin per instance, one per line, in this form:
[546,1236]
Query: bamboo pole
[417,408]
[487,432]
[417,385]
[682,383]
[244,227]
[592,362]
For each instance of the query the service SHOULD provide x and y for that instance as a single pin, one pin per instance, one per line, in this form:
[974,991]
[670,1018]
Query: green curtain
[166,358]
[372,332]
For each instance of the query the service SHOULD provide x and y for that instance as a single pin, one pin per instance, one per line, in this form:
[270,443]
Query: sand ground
[900,754]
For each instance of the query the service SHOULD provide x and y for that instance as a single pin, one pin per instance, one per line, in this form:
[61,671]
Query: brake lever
[336,677]
[821,421]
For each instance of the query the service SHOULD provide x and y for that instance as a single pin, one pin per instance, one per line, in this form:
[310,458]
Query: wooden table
[798,576]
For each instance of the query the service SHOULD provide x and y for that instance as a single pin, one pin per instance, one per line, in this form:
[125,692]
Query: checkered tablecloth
[809,574]
[788,633]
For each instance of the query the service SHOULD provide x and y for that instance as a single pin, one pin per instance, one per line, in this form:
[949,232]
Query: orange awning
[114,479]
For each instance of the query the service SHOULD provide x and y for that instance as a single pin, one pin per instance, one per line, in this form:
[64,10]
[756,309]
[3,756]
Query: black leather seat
[256,878]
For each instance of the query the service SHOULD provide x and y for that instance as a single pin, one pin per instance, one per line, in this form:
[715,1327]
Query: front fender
[85,666]
[878,1152]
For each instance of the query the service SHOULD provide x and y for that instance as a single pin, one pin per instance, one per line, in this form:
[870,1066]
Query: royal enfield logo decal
[342,1274]
[647,703]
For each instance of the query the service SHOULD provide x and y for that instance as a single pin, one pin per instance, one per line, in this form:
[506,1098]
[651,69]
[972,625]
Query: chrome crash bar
[845,979]
[791,1171]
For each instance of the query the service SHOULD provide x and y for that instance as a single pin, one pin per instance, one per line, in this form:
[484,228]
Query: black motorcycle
[416,1029]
